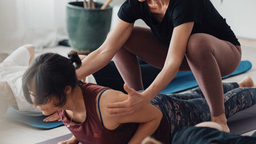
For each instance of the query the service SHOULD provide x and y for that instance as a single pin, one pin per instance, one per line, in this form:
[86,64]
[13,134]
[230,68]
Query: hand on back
[134,102]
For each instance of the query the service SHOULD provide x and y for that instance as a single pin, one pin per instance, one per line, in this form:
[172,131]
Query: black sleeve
[188,11]
[127,11]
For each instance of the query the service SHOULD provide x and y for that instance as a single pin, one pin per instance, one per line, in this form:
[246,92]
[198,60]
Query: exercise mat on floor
[57,139]
[34,121]
[244,121]
[186,80]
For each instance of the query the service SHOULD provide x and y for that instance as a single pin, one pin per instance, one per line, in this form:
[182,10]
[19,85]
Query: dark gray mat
[57,139]
[243,121]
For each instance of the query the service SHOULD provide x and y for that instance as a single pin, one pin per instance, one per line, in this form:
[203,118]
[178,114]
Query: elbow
[159,117]
[30,48]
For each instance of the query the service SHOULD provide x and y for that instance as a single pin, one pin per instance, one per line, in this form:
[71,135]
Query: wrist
[147,96]
[73,140]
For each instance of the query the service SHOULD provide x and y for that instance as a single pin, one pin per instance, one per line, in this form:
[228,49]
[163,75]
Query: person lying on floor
[11,71]
[51,84]
[205,133]
[14,66]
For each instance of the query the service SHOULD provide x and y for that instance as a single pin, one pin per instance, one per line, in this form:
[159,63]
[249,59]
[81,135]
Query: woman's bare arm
[102,56]
[148,116]
[175,56]
[172,63]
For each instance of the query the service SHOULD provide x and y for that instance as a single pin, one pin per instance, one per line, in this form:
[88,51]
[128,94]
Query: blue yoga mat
[34,121]
[186,80]
[183,81]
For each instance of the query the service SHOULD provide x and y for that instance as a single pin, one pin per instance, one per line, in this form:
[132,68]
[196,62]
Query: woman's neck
[75,106]
[158,8]
[75,100]
[158,3]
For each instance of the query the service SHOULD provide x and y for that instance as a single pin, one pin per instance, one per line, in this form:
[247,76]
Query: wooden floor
[16,133]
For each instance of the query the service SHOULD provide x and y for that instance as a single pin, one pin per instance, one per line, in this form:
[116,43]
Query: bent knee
[199,45]
[30,47]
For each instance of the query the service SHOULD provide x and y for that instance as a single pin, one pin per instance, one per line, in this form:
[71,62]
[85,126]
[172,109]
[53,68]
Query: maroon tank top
[91,131]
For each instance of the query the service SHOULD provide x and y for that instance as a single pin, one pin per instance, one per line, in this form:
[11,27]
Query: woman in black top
[183,35]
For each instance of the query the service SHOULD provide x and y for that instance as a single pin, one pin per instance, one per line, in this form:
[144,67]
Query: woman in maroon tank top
[50,83]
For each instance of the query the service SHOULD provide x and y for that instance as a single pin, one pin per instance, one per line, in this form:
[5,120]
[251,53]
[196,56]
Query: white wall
[39,22]
[42,22]
[240,15]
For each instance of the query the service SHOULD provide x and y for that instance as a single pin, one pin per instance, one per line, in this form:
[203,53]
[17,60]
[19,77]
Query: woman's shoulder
[92,87]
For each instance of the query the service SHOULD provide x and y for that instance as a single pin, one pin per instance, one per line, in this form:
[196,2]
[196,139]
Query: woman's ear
[68,90]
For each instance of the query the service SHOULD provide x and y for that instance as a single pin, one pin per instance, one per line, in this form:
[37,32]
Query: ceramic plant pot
[87,28]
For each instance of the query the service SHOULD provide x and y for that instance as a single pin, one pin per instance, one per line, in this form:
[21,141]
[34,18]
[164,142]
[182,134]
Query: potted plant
[88,24]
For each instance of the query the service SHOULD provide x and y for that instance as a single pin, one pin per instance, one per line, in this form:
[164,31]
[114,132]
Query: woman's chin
[46,113]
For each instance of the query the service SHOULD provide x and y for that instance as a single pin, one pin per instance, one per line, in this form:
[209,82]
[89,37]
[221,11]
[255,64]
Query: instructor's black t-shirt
[205,17]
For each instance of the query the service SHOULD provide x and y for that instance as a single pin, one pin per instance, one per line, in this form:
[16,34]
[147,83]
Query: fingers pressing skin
[134,102]
[210,125]
[129,90]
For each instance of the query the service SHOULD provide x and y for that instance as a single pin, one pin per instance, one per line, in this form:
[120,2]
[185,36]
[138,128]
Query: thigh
[227,55]
[144,44]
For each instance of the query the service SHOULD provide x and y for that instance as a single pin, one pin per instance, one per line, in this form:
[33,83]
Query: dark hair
[52,73]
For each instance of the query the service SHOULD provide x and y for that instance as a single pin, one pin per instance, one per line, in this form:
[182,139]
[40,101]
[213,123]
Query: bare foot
[210,125]
[246,82]
[150,140]
[222,121]
[224,127]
